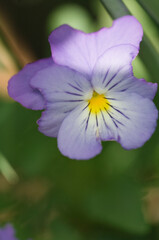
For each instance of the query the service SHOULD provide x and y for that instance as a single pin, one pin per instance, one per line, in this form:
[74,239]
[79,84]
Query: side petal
[78,137]
[63,90]
[113,73]
[19,85]
[135,117]
[80,51]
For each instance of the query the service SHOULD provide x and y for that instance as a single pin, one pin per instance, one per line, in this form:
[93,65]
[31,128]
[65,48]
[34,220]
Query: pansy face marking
[98,103]
[88,91]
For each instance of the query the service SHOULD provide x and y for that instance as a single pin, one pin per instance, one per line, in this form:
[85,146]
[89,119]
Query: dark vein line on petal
[116,119]
[87,120]
[111,118]
[67,111]
[59,101]
[118,111]
[116,125]
[123,90]
[75,94]
[78,84]
[96,120]
[105,76]
[113,77]
[104,120]
[115,84]
[110,79]
[110,98]
[78,89]
[85,107]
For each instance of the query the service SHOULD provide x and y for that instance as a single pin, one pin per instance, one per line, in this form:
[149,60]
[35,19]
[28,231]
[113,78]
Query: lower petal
[78,135]
[107,126]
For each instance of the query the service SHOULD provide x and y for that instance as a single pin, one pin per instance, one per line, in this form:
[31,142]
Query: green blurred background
[46,196]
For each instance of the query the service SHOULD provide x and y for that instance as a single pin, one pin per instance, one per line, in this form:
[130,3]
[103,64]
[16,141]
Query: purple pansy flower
[7,233]
[88,90]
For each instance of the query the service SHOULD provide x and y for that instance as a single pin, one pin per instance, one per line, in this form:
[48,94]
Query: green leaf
[64,230]
[116,8]
[70,14]
[150,58]
[119,205]
[152,8]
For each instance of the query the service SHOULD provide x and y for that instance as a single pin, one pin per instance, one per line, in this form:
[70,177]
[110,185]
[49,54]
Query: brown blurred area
[14,52]
[23,34]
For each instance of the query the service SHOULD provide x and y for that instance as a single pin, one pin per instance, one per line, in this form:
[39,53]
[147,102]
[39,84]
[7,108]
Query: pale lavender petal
[113,73]
[107,128]
[135,118]
[19,85]
[63,90]
[80,51]
[78,135]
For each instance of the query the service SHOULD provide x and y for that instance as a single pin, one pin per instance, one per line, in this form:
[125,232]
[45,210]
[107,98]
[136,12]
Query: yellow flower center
[98,103]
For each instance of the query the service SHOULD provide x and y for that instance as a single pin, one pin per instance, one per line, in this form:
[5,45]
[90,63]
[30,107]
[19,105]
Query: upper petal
[78,136]
[63,89]
[19,85]
[113,73]
[80,51]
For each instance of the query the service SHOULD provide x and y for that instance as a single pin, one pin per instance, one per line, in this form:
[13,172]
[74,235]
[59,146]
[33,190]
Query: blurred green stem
[116,8]
[7,170]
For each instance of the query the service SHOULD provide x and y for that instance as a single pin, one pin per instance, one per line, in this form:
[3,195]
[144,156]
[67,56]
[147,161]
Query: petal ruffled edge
[80,51]
[19,85]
